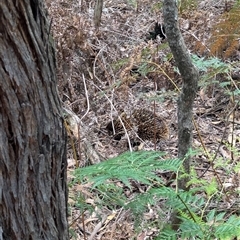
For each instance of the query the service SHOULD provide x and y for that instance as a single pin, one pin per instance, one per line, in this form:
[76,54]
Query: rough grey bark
[33,191]
[190,78]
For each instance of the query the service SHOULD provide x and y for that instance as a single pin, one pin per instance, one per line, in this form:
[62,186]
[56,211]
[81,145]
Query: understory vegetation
[126,188]
[141,172]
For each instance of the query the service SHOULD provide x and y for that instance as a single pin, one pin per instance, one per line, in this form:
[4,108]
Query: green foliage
[110,195]
[127,167]
[215,227]
[212,63]
[167,234]
[144,69]
[189,229]
[215,72]
[120,63]
[138,166]
[197,220]
[209,68]
[228,229]
[203,185]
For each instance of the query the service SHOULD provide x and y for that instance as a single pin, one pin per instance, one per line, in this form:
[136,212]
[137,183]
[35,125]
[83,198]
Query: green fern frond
[190,229]
[190,216]
[213,63]
[120,63]
[142,167]
[110,195]
[184,200]
[167,234]
[139,166]
[211,216]
[229,229]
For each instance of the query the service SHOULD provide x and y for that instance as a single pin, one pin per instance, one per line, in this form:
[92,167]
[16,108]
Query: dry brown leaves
[96,82]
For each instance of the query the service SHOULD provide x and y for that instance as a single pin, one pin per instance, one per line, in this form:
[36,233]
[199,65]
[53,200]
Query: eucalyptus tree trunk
[33,190]
[190,77]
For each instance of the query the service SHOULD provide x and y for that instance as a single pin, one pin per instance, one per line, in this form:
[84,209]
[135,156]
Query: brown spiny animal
[150,126]
[116,126]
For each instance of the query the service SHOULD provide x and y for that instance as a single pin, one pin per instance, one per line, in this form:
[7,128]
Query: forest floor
[117,68]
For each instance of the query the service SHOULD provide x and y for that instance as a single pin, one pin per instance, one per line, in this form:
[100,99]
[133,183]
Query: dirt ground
[116,69]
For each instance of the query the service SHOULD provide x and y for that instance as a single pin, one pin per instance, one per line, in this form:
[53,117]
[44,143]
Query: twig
[86,93]
[96,229]
[125,130]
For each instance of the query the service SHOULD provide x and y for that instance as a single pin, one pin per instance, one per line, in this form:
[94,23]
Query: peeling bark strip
[190,78]
[33,191]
